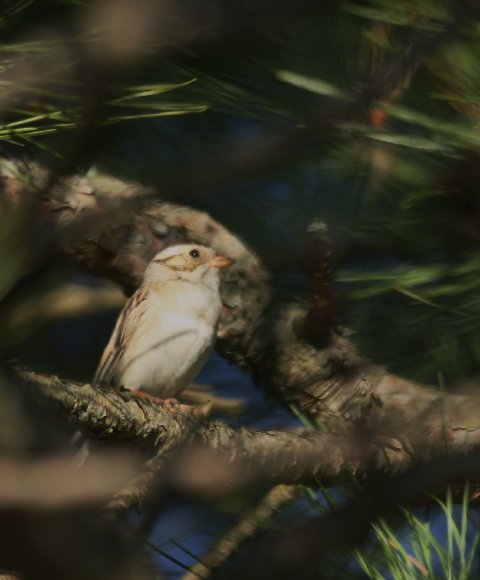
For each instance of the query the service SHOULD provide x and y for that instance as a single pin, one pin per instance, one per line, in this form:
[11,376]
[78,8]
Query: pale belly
[172,351]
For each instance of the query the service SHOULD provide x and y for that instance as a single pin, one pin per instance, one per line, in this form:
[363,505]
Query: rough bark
[253,456]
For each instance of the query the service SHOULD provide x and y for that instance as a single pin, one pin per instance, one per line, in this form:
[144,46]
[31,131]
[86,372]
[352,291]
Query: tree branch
[258,518]
[232,457]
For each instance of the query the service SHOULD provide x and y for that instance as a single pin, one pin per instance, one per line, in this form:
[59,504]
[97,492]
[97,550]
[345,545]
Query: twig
[258,518]
[139,488]
[200,395]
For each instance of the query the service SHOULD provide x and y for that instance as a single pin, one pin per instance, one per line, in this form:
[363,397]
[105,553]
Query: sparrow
[167,329]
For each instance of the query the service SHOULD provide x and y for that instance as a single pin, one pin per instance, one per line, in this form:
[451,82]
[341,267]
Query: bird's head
[190,262]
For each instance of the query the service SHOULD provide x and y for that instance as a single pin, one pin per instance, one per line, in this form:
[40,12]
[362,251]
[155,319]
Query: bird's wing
[121,336]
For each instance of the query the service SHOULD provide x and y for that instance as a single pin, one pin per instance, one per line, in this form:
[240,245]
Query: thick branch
[107,414]
[249,456]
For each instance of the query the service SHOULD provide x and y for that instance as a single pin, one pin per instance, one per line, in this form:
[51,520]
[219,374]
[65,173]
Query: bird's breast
[171,346]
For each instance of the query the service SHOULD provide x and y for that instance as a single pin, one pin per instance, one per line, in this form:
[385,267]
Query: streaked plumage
[167,329]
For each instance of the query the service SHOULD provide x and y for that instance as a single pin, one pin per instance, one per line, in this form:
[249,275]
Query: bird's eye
[194,253]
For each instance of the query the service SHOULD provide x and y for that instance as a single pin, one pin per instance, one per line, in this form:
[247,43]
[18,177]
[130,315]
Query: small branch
[258,518]
[201,395]
[135,493]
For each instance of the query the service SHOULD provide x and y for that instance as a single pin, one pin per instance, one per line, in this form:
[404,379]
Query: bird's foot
[171,404]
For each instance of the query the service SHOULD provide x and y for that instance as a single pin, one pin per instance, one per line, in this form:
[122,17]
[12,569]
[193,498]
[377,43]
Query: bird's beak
[220,262]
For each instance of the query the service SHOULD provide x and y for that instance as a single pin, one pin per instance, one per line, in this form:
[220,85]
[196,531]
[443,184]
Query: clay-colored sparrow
[167,329]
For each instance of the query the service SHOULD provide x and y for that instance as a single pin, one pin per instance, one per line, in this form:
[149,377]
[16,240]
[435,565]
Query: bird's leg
[170,404]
